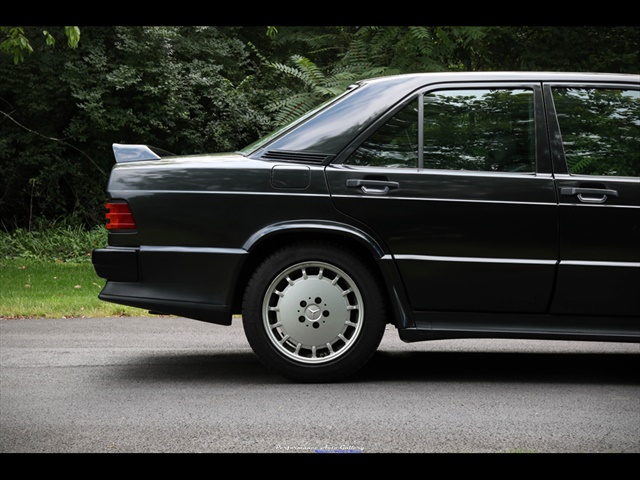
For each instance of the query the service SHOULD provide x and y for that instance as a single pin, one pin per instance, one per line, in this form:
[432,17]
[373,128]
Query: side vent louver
[295,156]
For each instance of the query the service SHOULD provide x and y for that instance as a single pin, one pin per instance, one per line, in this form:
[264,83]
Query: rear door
[457,182]
[596,153]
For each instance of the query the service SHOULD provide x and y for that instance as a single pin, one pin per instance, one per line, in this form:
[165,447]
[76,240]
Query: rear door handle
[372,187]
[596,195]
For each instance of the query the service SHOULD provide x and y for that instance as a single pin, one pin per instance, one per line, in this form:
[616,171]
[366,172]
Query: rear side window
[600,130]
[491,130]
[483,130]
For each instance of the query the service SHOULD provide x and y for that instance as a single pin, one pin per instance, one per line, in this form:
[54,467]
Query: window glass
[474,129]
[395,144]
[600,130]
[486,130]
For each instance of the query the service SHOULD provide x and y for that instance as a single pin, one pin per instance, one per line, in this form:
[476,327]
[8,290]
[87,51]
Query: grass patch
[47,273]
[44,289]
[54,289]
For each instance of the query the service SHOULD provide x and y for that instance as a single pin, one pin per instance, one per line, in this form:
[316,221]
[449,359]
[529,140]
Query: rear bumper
[116,263]
[189,282]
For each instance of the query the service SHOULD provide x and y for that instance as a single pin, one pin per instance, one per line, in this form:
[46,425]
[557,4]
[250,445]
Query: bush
[61,243]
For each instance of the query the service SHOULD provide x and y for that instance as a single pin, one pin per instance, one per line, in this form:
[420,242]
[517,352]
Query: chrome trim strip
[589,263]
[596,205]
[228,192]
[433,258]
[503,202]
[437,172]
[599,178]
[515,261]
[207,250]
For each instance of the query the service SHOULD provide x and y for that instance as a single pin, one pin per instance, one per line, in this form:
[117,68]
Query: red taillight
[119,216]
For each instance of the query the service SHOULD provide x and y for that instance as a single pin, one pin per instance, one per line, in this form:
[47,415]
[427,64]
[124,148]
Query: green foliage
[419,48]
[366,52]
[16,43]
[64,243]
[184,89]
[316,87]
[73,36]
[562,48]
[172,87]
[324,44]
[313,82]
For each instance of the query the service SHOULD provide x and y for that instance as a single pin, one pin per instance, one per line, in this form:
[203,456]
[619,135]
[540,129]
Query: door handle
[372,187]
[601,194]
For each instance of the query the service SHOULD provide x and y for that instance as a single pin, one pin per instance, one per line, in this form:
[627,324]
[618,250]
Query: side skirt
[452,325]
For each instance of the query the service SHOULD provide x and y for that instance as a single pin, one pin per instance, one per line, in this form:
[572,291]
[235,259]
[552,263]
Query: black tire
[314,312]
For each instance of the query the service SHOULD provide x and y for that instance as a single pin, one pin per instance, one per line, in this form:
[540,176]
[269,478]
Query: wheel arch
[271,238]
[313,229]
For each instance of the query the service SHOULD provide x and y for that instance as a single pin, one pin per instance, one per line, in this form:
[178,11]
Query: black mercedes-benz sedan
[449,205]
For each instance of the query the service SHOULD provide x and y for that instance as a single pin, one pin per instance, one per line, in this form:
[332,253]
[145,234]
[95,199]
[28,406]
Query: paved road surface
[176,385]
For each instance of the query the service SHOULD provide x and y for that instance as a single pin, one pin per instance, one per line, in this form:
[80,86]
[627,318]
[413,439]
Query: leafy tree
[406,49]
[613,49]
[179,88]
[364,52]
[184,89]
[15,41]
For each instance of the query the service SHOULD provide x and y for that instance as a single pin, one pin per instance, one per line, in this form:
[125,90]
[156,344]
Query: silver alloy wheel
[312,312]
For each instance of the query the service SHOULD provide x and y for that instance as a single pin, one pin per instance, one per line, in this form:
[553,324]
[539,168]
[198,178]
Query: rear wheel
[314,312]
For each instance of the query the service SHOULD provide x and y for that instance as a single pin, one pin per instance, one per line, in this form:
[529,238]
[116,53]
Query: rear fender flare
[375,248]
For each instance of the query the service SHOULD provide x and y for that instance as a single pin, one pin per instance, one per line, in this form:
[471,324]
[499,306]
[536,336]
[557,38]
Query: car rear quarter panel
[200,219]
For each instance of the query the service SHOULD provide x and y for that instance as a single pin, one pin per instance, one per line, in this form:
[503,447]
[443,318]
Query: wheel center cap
[312,313]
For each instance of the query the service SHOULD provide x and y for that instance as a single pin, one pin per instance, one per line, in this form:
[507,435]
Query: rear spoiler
[138,153]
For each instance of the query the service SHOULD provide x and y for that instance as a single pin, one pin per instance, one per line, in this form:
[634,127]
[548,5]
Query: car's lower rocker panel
[453,325]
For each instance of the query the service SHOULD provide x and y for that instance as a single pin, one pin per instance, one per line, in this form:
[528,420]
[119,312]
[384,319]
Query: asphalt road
[176,385]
